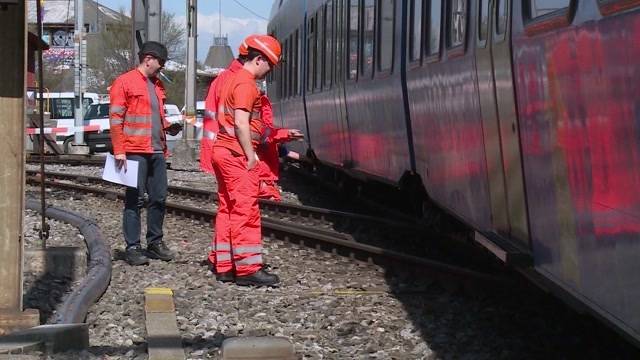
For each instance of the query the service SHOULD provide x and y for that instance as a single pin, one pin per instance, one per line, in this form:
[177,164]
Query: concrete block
[56,337]
[163,337]
[78,149]
[64,261]
[263,347]
[19,347]
[14,321]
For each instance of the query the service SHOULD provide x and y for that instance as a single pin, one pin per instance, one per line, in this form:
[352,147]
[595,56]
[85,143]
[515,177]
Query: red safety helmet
[268,45]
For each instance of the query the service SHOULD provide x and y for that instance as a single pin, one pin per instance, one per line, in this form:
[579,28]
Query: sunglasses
[160,61]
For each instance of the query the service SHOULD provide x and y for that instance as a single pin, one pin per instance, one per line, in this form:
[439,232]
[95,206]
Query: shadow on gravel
[47,291]
[515,321]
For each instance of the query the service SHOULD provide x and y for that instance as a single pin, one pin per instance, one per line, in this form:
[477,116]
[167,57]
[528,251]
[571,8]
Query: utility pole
[184,154]
[13,27]
[80,70]
[154,20]
[139,26]
[190,91]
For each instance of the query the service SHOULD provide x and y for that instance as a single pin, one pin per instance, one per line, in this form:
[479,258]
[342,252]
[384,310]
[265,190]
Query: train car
[286,82]
[518,117]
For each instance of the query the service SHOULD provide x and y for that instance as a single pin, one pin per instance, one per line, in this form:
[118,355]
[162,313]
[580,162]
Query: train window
[416,30]
[328,52]
[483,23]
[290,66]
[339,29]
[320,48]
[386,31]
[457,21]
[311,53]
[501,21]
[539,8]
[296,64]
[369,12]
[435,26]
[282,72]
[353,38]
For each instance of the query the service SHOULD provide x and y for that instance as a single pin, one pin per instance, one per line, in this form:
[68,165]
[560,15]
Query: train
[521,118]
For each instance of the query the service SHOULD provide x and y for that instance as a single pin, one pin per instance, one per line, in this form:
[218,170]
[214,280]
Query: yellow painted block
[158,291]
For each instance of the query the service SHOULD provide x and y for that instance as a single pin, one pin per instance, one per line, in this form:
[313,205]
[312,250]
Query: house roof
[63,12]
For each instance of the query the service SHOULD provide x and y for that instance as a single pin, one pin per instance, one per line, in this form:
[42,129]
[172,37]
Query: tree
[109,53]
[174,37]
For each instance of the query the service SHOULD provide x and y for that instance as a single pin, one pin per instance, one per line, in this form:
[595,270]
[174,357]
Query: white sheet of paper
[112,174]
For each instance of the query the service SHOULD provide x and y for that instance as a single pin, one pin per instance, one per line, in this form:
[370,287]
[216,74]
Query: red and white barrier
[57,130]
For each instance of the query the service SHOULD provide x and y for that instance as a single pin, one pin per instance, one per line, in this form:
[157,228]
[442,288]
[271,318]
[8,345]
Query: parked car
[199,118]
[173,115]
[100,140]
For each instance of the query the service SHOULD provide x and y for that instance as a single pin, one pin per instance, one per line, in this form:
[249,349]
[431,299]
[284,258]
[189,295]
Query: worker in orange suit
[210,131]
[221,243]
[235,163]
[138,127]
[270,149]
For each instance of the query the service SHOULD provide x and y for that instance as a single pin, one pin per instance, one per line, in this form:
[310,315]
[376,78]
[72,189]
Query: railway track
[301,225]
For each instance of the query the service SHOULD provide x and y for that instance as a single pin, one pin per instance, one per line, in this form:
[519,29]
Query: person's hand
[121,161]
[252,161]
[174,129]
[296,134]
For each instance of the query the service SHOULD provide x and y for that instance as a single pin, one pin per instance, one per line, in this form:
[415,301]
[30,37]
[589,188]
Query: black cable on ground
[75,307]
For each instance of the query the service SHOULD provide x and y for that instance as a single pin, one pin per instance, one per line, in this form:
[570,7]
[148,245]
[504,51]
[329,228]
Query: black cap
[154,48]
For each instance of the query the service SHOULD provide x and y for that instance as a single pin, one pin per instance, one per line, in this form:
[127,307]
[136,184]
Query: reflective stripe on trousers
[238,218]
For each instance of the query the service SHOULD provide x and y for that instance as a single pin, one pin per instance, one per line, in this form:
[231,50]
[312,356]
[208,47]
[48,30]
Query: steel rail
[306,235]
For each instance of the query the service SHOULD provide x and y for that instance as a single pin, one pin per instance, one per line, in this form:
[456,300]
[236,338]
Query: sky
[237,22]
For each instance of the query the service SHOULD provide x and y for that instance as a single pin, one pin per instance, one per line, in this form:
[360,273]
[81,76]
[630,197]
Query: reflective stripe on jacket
[130,114]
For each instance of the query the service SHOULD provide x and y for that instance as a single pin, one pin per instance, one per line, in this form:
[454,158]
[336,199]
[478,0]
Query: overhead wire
[249,10]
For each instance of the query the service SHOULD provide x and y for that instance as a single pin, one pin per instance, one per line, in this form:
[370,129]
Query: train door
[332,67]
[338,77]
[500,122]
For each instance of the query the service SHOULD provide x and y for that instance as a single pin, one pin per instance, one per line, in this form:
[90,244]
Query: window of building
[415,42]
[539,8]
[434,28]
[354,14]
[386,32]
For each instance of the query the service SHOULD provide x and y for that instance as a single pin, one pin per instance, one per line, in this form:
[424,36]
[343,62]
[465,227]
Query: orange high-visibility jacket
[271,137]
[210,123]
[130,114]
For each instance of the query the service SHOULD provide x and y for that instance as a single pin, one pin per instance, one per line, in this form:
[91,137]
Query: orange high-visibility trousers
[220,254]
[238,224]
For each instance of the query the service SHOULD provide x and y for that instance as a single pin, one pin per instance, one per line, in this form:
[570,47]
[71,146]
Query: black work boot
[159,250]
[258,278]
[225,276]
[135,256]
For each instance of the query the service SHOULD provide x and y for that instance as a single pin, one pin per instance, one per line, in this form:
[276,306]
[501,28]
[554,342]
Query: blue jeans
[152,179]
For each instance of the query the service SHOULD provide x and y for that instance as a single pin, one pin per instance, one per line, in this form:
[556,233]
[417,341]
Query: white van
[172,114]
[199,118]
[61,106]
